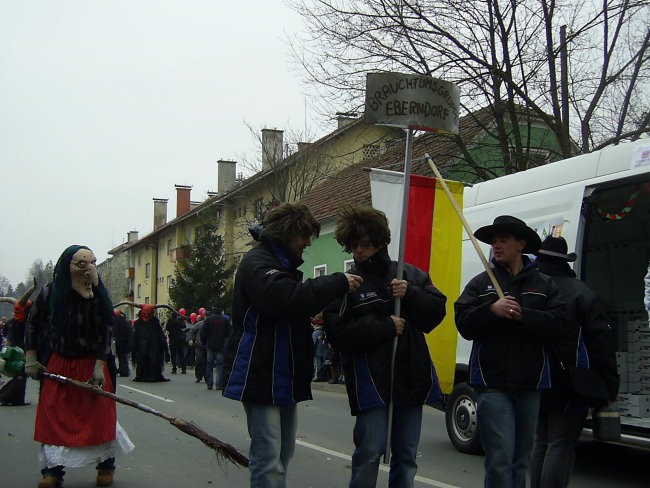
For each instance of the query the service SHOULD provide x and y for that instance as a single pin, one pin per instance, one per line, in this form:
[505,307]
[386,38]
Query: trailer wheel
[462,420]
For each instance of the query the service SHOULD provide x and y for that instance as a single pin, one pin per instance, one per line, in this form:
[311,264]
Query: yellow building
[240,202]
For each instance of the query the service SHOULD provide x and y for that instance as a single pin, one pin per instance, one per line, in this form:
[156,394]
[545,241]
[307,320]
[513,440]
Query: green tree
[203,278]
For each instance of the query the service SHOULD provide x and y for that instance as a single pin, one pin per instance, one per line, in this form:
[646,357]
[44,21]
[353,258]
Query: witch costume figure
[69,330]
[149,348]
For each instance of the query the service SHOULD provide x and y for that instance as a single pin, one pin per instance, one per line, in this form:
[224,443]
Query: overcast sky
[105,105]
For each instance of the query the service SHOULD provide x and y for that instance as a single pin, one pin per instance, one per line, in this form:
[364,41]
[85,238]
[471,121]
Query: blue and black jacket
[505,353]
[269,358]
[588,341]
[361,327]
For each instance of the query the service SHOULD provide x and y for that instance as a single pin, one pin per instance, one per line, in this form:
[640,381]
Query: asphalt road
[166,457]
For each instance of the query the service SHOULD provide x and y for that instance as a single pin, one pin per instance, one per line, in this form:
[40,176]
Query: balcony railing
[179,253]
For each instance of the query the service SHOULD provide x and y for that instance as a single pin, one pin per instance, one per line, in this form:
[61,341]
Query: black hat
[556,247]
[506,224]
[216,307]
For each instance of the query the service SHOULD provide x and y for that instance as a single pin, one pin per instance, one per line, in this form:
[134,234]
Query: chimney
[226,173]
[272,150]
[132,236]
[344,119]
[182,199]
[159,212]
[212,194]
[193,205]
[303,145]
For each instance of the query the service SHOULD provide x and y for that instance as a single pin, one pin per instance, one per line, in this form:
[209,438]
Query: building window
[169,247]
[533,157]
[139,291]
[147,270]
[347,264]
[259,209]
[320,270]
[139,260]
[371,150]
[146,299]
[169,281]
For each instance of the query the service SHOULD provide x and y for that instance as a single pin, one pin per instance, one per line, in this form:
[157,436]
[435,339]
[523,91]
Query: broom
[222,450]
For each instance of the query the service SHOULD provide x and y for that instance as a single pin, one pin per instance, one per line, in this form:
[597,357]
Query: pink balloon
[202,311]
[182,311]
[193,317]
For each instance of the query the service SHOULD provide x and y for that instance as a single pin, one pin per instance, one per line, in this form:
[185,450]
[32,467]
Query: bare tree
[590,86]
[43,273]
[292,170]
[286,174]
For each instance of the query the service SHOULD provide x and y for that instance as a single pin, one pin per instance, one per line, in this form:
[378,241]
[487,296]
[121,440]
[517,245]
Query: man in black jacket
[176,336]
[123,331]
[587,343]
[214,335]
[270,352]
[508,364]
[363,327]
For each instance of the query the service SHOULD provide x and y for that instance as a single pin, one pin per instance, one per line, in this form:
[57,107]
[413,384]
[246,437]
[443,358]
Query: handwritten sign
[415,101]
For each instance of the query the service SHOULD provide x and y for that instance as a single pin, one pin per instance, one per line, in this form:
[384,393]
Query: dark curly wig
[355,223]
[287,221]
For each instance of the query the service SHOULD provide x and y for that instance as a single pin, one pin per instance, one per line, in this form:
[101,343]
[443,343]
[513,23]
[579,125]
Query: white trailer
[600,203]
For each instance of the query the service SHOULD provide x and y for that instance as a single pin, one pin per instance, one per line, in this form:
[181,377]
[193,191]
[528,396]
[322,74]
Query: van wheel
[462,420]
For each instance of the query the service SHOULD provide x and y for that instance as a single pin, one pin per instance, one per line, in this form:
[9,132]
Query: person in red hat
[508,364]
[587,343]
[149,348]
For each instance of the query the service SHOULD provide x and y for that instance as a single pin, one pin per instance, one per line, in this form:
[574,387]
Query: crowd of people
[286,332]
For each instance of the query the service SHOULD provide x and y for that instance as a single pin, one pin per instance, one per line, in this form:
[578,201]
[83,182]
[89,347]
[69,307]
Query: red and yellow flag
[433,242]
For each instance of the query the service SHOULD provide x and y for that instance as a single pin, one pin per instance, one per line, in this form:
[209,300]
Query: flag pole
[468,229]
[400,274]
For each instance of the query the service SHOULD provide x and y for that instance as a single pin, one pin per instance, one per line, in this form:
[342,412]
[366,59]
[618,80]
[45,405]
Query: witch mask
[83,272]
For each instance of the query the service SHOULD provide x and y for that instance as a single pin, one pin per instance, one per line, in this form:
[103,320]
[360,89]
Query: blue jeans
[272,430]
[507,423]
[554,454]
[370,435]
[213,359]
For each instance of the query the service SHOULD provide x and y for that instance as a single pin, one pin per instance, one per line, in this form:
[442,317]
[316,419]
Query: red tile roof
[351,186]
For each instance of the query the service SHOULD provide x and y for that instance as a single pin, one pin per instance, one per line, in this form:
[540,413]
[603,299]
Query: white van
[600,203]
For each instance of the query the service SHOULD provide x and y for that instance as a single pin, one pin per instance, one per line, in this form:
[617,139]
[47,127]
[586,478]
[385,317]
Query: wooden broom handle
[468,229]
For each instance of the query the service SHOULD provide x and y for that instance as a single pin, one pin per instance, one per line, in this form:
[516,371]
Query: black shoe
[209,387]
[173,371]
[183,372]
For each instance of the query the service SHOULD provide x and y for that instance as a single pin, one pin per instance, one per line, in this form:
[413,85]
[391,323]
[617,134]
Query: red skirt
[71,416]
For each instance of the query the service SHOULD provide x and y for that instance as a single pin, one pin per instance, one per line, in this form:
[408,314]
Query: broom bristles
[222,449]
